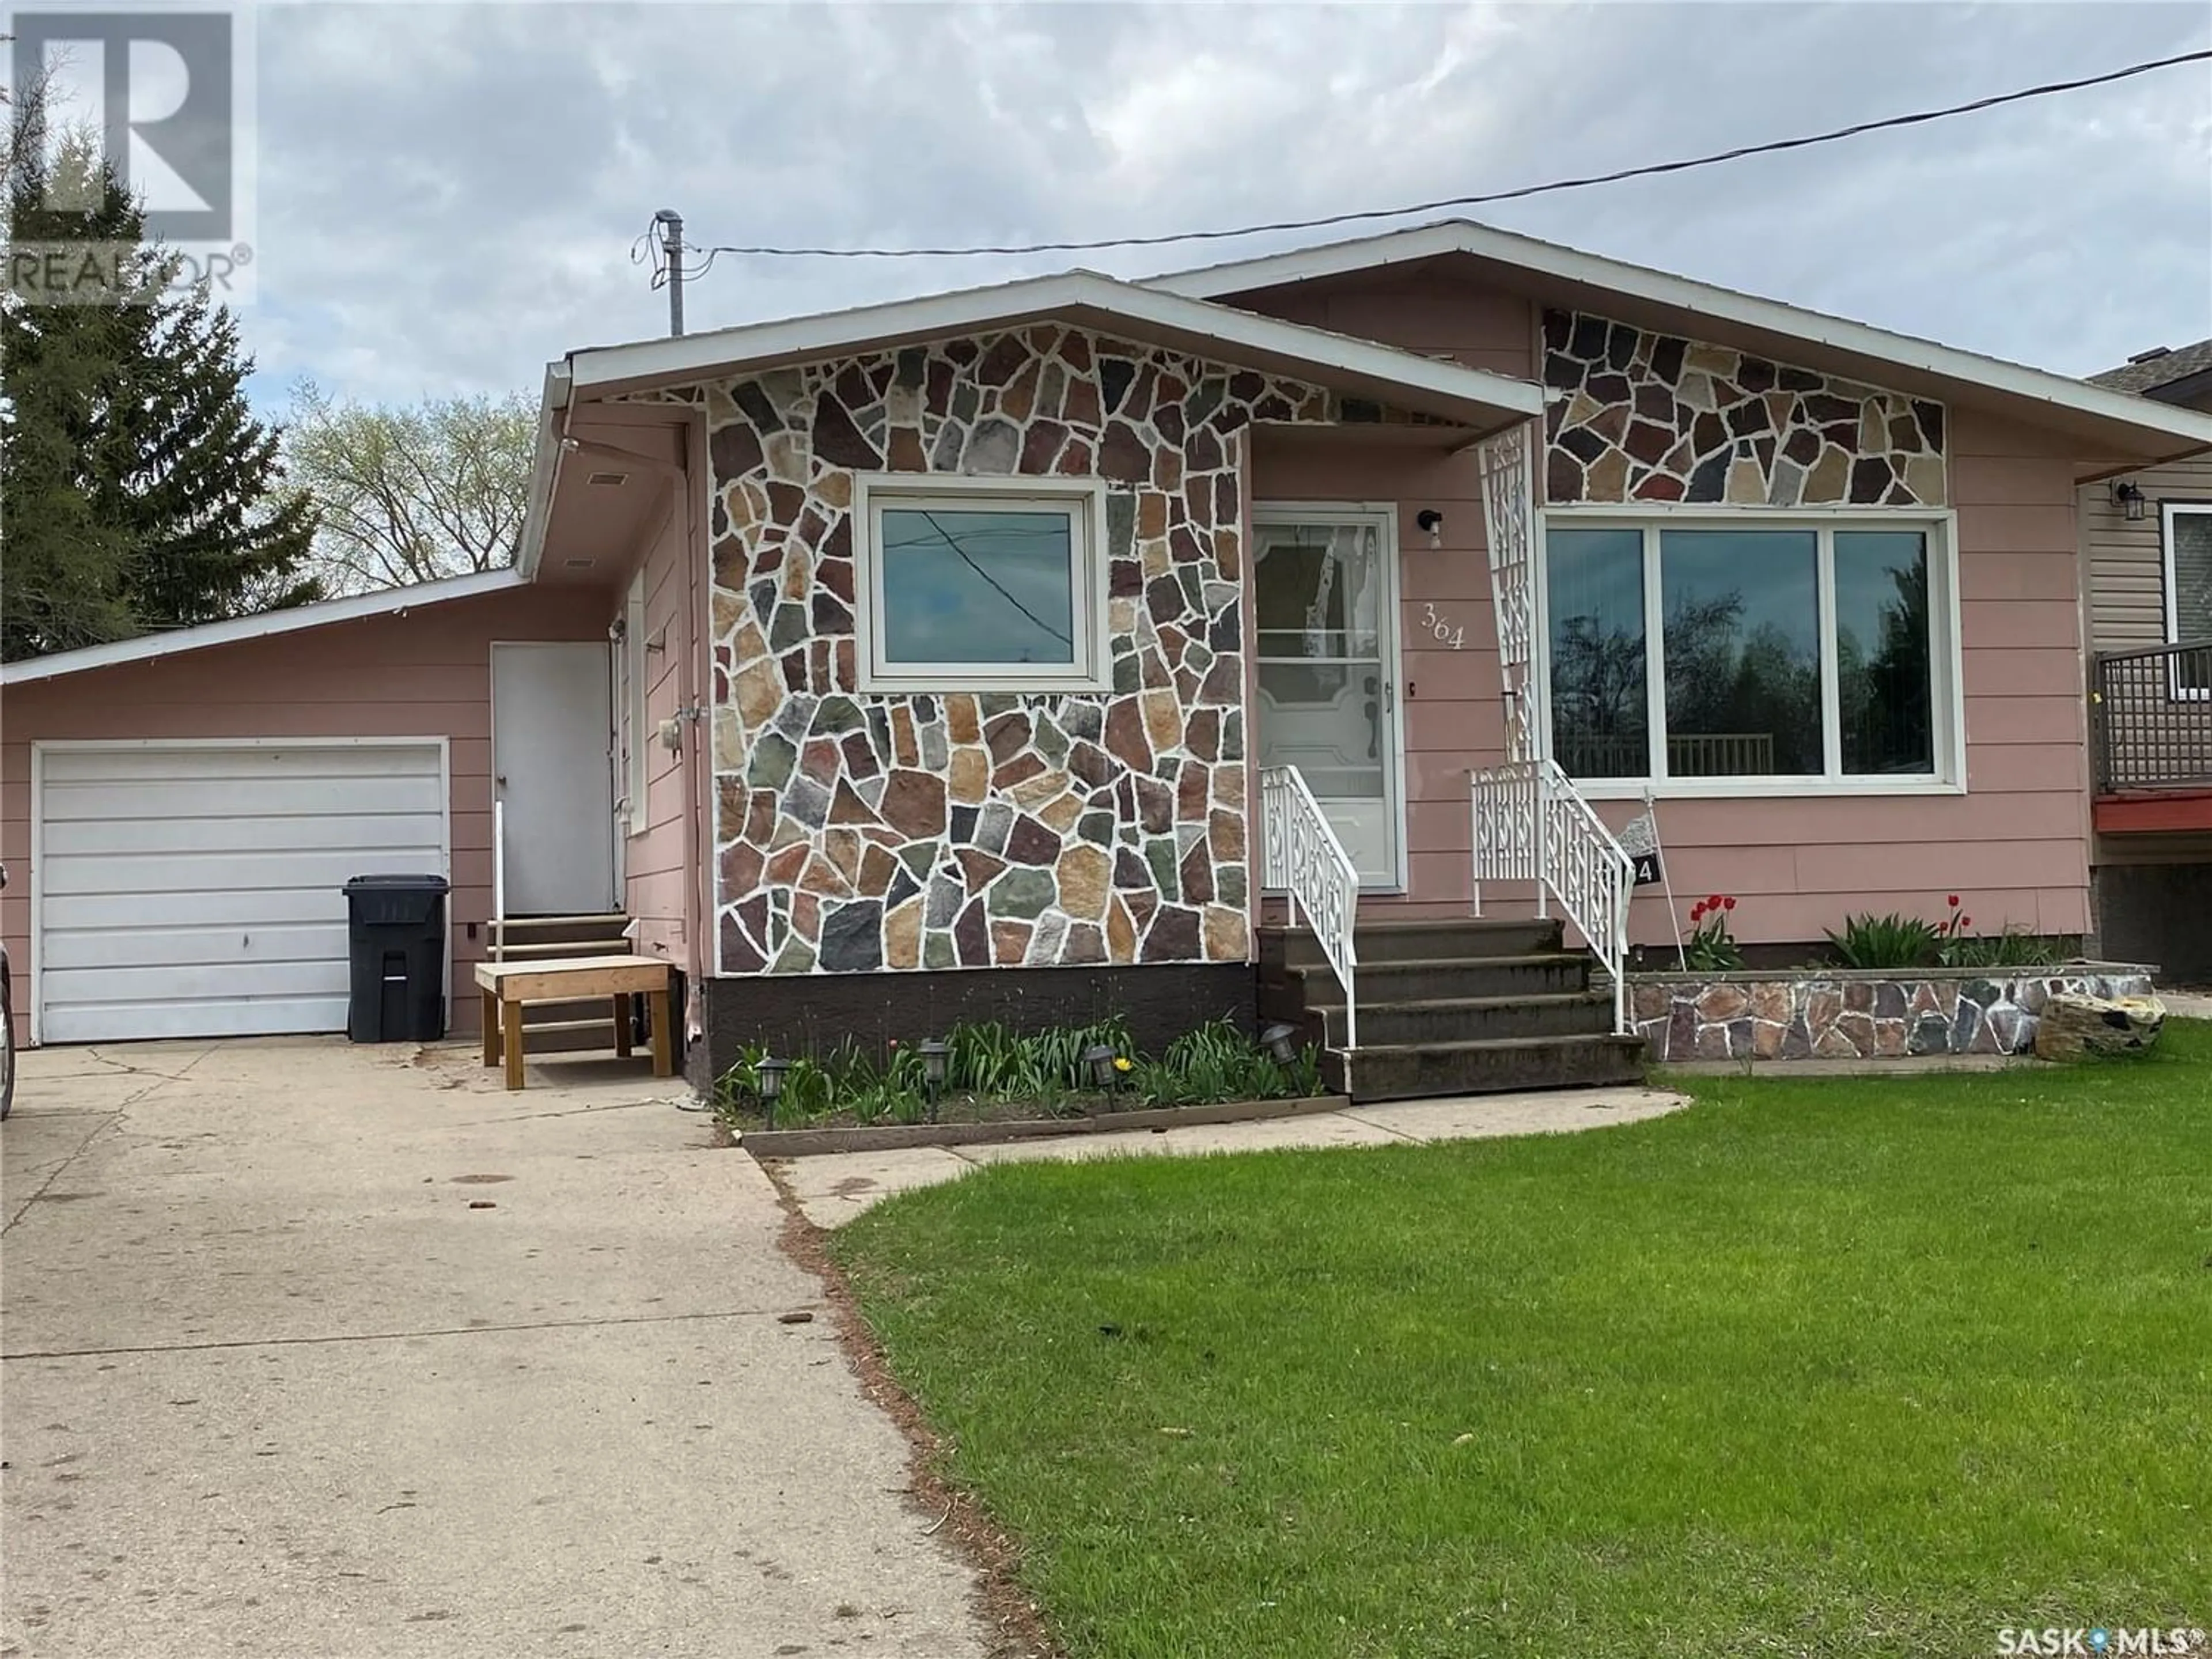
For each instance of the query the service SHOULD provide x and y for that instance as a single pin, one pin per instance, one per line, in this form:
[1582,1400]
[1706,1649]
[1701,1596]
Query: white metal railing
[1301,856]
[498,940]
[1532,824]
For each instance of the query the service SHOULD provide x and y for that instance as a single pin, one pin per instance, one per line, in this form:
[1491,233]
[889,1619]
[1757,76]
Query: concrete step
[1456,936]
[1536,974]
[1428,1070]
[1463,1020]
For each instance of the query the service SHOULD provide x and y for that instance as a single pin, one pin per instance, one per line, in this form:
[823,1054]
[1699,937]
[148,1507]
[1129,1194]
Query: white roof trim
[544,470]
[389,601]
[1195,324]
[1659,288]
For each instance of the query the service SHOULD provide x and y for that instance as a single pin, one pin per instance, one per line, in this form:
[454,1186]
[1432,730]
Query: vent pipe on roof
[670,223]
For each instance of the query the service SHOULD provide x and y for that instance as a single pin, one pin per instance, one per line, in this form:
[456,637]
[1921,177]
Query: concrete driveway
[275,1383]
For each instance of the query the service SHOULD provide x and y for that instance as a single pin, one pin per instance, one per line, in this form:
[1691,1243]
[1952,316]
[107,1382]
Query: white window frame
[2168,513]
[1084,502]
[1946,658]
[633,711]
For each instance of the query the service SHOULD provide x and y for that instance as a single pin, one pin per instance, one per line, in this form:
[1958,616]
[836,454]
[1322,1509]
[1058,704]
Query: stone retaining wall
[1840,1014]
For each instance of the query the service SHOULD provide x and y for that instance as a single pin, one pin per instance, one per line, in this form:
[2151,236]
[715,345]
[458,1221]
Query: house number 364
[1447,632]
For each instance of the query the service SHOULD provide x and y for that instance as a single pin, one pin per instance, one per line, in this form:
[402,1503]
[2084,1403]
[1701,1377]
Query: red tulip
[1965,921]
[1697,912]
[1730,904]
[1953,901]
[1714,903]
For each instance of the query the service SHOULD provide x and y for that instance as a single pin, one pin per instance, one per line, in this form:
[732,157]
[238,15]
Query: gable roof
[1143,314]
[1472,397]
[2114,424]
[386,601]
[2147,372]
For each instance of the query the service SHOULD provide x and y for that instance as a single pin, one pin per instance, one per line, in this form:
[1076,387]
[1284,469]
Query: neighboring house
[2147,538]
[985,655]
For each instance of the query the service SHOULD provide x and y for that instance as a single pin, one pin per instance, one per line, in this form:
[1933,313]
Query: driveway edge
[1012,1625]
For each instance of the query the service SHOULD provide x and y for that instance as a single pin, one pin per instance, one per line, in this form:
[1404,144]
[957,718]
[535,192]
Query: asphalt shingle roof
[2148,374]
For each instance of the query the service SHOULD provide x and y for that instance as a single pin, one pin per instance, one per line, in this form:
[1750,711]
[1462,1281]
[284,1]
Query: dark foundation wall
[809,1015]
[2160,914]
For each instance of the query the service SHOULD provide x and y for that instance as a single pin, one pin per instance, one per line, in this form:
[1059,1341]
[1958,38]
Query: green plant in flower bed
[1710,947]
[2013,948]
[1217,1062]
[1895,941]
[1890,941]
[995,1073]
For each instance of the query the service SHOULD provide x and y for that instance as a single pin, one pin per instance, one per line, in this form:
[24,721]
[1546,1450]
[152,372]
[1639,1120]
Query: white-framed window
[631,714]
[1753,654]
[980,584]
[2188,538]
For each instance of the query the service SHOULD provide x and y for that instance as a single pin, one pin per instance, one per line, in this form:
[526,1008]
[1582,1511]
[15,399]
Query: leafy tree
[412,494]
[138,491]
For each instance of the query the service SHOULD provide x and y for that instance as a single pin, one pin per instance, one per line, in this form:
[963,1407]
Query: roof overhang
[2109,426]
[1220,333]
[385,602]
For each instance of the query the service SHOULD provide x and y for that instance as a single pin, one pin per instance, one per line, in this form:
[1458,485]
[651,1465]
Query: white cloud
[449,195]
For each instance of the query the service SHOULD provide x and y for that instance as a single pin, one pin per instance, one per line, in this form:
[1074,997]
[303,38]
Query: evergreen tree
[138,491]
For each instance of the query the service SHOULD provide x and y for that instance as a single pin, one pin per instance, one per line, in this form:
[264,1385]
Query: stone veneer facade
[1649,417]
[1859,1015]
[859,832]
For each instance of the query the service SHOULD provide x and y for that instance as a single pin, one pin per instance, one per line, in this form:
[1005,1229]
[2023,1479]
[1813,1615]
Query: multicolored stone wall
[860,832]
[1649,417]
[1859,1015]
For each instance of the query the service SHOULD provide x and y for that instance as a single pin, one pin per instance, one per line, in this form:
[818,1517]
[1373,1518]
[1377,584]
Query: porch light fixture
[933,1052]
[1432,522]
[1277,1040]
[2128,496]
[1100,1060]
[768,1078]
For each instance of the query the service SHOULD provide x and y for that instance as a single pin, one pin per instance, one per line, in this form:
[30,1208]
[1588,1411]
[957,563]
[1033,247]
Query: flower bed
[1835,1013]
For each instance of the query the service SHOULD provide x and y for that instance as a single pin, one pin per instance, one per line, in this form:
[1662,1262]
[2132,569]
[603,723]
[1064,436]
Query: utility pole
[670,223]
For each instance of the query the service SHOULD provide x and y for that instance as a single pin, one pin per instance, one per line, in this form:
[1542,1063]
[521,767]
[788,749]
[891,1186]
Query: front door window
[1326,653]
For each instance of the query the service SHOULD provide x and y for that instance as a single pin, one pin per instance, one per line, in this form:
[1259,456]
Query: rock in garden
[2076,1027]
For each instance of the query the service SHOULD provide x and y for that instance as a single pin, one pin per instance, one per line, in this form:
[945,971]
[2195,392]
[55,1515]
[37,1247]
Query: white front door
[550,770]
[1325,588]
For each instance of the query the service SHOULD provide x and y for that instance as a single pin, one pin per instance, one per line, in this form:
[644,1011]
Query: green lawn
[1861,1367]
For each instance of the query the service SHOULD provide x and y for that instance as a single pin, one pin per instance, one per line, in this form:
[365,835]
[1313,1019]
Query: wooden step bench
[507,986]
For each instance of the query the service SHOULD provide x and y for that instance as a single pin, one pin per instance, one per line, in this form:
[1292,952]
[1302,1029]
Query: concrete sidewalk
[832,1189]
[275,1384]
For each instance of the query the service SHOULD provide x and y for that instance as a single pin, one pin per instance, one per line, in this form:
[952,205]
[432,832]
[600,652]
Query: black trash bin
[396,934]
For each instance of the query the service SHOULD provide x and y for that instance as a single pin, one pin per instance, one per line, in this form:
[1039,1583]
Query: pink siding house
[1295,635]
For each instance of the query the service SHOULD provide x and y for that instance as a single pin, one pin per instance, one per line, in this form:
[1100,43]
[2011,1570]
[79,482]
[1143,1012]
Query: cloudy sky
[449,194]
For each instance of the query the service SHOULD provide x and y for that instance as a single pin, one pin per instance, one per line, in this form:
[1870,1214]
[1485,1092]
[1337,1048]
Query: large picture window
[969,584]
[1802,653]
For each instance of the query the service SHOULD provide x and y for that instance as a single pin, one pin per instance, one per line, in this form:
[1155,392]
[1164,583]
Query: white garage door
[191,890]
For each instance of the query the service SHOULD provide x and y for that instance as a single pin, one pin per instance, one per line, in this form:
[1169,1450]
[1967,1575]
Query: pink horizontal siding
[2014,846]
[425,674]
[658,889]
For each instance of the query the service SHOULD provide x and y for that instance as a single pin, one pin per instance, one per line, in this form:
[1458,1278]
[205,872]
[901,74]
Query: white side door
[550,746]
[1325,589]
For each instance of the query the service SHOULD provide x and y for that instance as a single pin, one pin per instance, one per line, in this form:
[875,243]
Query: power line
[707,255]
[930,518]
